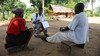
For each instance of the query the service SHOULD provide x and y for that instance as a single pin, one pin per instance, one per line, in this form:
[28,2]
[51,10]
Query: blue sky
[96,4]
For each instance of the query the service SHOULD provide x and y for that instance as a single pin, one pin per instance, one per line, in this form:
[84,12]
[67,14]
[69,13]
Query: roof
[58,8]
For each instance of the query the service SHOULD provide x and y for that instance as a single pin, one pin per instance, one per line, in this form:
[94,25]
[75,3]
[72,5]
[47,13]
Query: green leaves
[6,6]
[36,2]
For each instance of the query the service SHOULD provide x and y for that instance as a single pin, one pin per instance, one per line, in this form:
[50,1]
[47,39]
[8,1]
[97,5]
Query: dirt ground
[42,48]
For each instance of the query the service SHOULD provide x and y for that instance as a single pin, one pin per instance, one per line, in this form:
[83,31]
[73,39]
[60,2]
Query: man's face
[40,11]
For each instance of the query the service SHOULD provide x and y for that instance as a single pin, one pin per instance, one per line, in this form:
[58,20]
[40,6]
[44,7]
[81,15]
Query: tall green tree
[92,4]
[67,3]
[98,9]
[8,5]
[20,5]
[36,2]
[47,2]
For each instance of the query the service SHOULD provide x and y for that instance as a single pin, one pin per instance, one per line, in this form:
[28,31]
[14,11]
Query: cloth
[23,38]
[16,25]
[78,32]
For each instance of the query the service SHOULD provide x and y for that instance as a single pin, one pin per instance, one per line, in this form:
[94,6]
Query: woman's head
[79,7]
[18,12]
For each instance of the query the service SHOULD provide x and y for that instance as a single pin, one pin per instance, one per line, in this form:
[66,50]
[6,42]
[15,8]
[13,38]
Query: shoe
[44,38]
[80,45]
[37,35]
[46,35]
[31,29]
[14,49]
[8,45]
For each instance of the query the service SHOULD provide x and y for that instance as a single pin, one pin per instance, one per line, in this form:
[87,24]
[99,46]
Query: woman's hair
[18,12]
[79,7]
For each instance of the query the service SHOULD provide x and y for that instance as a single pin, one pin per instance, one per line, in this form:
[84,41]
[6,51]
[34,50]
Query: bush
[97,14]
[28,12]
[89,13]
[46,11]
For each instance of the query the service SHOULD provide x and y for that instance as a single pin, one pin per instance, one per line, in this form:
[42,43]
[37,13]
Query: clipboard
[45,24]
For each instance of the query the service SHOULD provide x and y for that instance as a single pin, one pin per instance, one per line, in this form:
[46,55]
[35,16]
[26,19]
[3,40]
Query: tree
[98,9]
[47,2]
[28,13]
[8,5]
[36,3]
[92,2]
[20,5]
[71,4]
[1,8]
[97,12]
[67,3]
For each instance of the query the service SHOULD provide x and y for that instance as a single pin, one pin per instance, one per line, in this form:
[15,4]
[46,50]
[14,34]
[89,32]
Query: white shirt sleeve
[74,22]
[33,17]
[42,18]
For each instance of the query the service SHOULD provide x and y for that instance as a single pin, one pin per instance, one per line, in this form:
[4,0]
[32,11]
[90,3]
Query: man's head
[40,9]
[18,12]
[79,7]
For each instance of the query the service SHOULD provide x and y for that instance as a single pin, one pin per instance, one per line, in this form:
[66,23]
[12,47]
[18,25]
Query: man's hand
[62,29]
[37,21]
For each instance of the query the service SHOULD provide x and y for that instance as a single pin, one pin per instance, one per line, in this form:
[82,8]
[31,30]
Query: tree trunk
[92,6]
[3,15]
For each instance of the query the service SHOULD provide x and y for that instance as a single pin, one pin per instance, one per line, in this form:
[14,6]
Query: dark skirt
[12,40]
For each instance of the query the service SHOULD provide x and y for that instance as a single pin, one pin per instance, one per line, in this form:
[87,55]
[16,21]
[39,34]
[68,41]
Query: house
[60,11]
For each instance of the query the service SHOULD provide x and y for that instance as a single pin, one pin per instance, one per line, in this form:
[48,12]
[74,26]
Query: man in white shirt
[37,20]
[76,31]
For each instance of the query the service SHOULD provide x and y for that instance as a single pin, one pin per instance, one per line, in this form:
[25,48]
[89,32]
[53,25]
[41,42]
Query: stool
[67,45]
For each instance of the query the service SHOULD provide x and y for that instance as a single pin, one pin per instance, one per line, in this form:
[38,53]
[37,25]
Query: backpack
[36,15]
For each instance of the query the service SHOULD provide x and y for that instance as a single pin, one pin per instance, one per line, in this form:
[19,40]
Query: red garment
[16,26]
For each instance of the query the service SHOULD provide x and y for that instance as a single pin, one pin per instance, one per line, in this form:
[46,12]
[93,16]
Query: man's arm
[33,19]
[74,22]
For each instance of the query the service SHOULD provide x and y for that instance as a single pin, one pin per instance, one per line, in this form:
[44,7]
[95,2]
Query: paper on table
[45,24]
